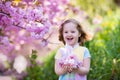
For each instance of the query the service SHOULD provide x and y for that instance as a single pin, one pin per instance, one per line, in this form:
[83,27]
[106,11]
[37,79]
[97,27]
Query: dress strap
[79,52]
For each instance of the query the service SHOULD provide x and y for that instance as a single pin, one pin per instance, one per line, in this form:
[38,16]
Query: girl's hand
[65,67]
[72,68]
[69,68]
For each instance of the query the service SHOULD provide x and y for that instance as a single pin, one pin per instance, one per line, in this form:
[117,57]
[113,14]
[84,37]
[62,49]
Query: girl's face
[70,34]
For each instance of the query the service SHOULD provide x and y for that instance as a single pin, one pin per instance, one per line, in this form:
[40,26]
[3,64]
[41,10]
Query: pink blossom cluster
[70,60]
[30,19]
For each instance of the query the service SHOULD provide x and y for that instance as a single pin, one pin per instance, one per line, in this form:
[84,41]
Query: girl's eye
[72,31]
[65,32]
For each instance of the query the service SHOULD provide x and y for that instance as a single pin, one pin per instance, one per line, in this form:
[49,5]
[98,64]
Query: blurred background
[29,37]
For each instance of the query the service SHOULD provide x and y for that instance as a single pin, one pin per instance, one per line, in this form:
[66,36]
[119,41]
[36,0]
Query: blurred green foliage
[34,69]
[95,7]
[47,69]
[43,71]
[105,61]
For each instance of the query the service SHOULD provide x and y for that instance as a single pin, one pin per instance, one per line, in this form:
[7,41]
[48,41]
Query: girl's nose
[69,34]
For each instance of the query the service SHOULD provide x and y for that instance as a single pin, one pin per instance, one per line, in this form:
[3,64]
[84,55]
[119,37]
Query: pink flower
[70,60]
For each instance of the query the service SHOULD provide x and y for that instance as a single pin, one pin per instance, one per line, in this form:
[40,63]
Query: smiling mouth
[69,38]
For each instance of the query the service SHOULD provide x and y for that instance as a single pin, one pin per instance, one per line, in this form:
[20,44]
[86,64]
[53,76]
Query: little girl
[72,62]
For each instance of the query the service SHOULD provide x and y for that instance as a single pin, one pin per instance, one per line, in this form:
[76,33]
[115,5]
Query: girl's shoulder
[84,47]
[86,53]
[61,49]
[59,53]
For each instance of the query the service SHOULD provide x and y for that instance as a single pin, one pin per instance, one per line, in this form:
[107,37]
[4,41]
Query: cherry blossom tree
[22,21]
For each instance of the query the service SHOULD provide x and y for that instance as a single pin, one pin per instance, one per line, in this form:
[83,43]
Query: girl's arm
[58,69]
[84,69]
